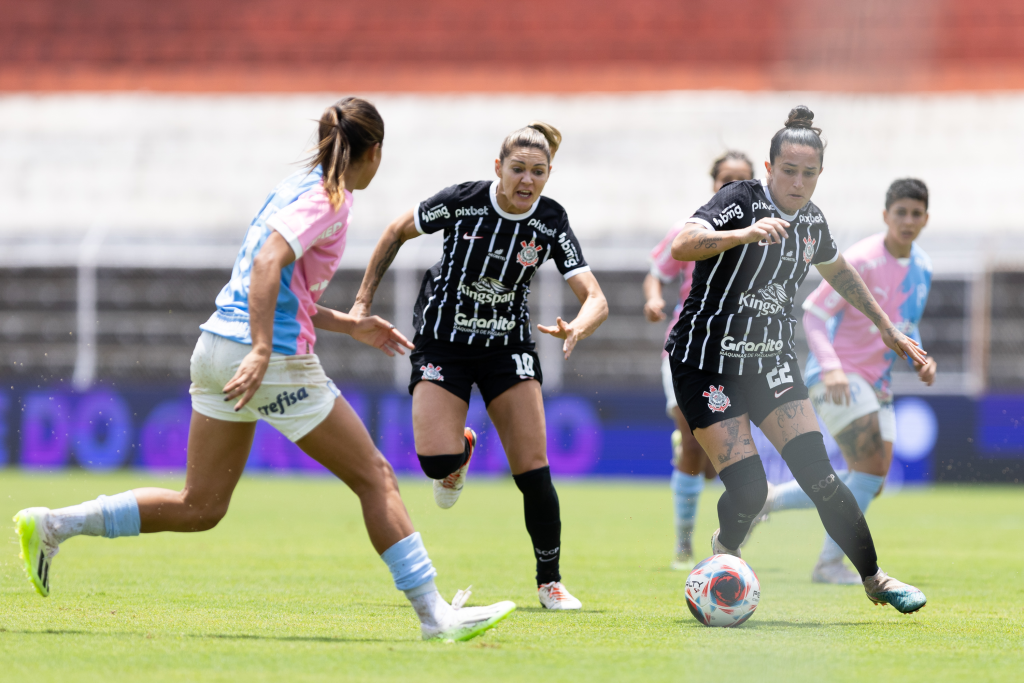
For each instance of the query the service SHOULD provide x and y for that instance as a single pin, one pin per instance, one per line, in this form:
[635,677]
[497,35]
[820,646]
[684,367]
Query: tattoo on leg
[860,440]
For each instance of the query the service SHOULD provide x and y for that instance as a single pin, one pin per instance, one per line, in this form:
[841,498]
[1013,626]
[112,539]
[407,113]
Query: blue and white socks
[790,496]
[414,575]
[686,489]
[110,516]
[864,488]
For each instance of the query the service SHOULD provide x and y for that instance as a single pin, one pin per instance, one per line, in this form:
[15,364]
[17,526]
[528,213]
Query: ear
[497,167]
[768,167]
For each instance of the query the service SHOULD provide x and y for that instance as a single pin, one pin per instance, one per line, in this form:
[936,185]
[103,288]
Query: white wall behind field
[195,168]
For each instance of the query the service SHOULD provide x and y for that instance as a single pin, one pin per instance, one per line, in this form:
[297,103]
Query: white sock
[83,519]
[430,607]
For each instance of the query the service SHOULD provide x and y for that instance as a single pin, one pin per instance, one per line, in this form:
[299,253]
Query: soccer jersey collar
[505,214]
[790,218]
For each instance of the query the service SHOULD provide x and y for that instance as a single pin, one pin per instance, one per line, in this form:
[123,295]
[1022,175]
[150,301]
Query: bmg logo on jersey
[284,399]
[572,257]
[434,213]
[540,227]
[731,211]
[470,211]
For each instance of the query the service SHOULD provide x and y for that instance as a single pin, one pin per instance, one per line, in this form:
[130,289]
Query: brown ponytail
[347,129]
[538,135]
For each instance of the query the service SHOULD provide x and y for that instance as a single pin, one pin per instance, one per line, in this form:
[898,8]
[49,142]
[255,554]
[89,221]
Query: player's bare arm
[845,279]
[654,303]
[697,243]
[400,231]
[263,289]
[593,312]
[371,330]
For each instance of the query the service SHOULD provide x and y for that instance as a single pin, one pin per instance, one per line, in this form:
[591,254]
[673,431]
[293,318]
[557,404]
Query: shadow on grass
[556,611]
[779,624]
[216,636]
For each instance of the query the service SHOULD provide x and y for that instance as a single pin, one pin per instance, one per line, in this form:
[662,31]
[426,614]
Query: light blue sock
[686,490]
[864,488]
[790,496]
[409,564]
[120,515]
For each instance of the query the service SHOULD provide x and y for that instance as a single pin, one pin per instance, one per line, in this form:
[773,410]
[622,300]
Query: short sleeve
[310,219]
[663,266]
[729,209]
[824,302]
[568,255]
[438,212]
[827,251]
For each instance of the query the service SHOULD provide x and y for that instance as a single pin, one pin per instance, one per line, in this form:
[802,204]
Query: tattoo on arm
[390,251]
[852,288]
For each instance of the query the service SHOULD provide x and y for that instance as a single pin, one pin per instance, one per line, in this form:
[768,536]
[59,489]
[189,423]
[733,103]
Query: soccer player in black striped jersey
[473,327]
[731,353]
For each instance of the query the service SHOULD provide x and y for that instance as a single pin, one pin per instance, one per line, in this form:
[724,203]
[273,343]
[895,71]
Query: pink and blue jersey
[840,336]
[666,269]
[301,212]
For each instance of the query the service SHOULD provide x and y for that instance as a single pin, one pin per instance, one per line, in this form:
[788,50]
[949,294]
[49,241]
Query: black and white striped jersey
[477,293]
[739,315]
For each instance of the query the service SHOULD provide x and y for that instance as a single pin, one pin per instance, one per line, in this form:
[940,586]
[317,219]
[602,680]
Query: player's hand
[904,346]
[248,378]
[380,334]
[766,231]
[359,310]
[926,372]
[562,330]
[837,387]
[654,309]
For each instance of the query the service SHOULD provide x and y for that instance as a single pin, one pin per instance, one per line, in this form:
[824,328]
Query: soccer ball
[722,591]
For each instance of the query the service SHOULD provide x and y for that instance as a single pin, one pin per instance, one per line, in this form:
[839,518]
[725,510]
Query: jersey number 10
[524,364]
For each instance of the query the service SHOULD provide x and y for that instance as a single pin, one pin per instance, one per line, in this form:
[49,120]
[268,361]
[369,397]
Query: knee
[747,485]
[203,511]
[377,477]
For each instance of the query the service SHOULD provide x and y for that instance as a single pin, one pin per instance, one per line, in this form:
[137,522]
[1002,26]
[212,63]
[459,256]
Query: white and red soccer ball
[722,591]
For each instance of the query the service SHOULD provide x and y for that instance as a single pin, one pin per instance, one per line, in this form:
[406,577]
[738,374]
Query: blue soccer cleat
[882,589]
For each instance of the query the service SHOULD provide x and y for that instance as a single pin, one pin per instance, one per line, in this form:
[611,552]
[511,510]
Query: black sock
[746,490]
[440,466]
[540,507]
[836,505]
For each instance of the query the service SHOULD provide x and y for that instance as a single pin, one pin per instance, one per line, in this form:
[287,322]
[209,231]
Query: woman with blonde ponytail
[473,327]
[255,361]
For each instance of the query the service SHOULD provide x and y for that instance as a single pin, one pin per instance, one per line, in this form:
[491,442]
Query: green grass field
[289,588]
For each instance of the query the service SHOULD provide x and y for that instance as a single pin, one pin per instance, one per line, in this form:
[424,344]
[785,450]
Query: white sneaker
[447,490]
[37,546]
[553,595]
[719,549]
[762,516]
[464,623]
[835,573]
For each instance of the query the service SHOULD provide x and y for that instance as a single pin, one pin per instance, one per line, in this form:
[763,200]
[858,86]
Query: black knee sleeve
[838,509]
[440,466]
[543,521]
[746,489]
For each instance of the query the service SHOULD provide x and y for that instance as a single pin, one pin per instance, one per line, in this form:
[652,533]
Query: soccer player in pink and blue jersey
[848,369]
[690,464]
[255,361]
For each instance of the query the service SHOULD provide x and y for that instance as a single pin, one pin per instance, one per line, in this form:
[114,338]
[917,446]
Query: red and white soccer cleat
[448,490]
[553,595]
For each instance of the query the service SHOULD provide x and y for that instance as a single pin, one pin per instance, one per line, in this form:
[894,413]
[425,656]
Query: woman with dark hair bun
[690,463]
[473,327]
[254,361]
[732,355]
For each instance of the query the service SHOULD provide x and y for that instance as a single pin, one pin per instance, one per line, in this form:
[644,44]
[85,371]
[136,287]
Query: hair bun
[800,117]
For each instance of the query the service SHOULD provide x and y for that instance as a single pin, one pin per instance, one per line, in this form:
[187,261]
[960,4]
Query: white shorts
[294,398]
[666,384]
[864,400]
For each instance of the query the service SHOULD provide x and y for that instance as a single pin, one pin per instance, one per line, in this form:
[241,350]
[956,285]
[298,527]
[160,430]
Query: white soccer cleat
[835,573]
[719,549]
[553,595]
[448,490]
[882,589]
[464,623]
[37,546]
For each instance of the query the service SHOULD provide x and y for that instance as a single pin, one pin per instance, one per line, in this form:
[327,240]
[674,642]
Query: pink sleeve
[824,302]
[308,220]
[816,329]
[663,266]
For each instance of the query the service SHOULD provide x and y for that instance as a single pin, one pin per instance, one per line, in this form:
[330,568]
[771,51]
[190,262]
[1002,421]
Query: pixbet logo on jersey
[718,402]
[435,213]
[529,254]
[540,227]
[470,211]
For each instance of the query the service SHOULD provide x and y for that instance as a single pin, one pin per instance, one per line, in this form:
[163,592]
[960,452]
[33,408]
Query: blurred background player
[473,327]
[849,367]
[690,464]
[732,356]
[258,348]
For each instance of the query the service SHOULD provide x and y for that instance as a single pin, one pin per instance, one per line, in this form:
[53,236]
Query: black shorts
[706,398]
[457,367]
